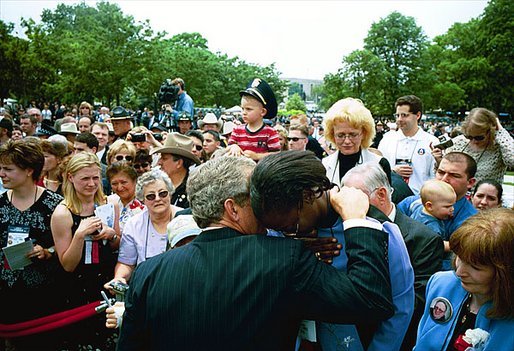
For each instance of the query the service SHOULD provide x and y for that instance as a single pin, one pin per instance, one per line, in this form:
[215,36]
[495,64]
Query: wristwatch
[51,250]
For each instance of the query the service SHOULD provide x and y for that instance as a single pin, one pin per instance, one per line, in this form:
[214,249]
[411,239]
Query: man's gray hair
[150,177]
[372,176]
[214,182]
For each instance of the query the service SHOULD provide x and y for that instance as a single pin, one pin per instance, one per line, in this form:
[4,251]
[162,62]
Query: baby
[438,199]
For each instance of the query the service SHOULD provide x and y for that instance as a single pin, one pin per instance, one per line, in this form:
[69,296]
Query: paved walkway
[508,191]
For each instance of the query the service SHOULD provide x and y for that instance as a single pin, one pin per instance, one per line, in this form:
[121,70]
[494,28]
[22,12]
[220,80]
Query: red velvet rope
[47,323]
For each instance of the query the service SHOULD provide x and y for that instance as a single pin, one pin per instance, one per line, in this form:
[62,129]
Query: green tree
[295,102]
[12,80]
[400,44]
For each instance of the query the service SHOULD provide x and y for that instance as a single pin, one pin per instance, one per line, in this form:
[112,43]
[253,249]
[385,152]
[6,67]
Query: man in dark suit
[232,290]
[425,247]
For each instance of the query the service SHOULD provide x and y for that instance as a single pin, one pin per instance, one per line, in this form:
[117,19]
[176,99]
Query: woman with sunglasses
[142,162]
[487,142]
[121,150]
[122,178]
[84,244]
[145,235]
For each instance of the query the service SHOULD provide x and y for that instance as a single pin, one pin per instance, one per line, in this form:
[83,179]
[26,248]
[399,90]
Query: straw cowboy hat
[69,128]
[210,118]
[177,144]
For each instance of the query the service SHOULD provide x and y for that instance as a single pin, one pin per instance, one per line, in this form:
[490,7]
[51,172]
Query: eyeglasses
[126,158]
[295,139]
[351,136]
[477,138]
[162,195]
[402,115]
[198,147]
[140,165]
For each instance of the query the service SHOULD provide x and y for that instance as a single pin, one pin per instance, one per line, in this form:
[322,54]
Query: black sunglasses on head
[477,138]
[140,165]
[121,157]
[162,195]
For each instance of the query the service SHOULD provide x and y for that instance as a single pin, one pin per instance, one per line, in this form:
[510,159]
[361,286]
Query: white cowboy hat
[210,118]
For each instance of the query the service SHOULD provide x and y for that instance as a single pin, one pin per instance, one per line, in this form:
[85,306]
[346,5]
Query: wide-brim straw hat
[69,128]
[177,144]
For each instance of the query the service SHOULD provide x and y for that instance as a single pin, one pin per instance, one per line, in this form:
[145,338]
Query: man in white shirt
[408,148]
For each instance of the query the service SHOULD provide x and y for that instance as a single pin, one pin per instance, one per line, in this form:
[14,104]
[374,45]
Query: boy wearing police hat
[255,139]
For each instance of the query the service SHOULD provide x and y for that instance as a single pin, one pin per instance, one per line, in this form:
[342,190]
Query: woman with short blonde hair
[350,127]
[121,150]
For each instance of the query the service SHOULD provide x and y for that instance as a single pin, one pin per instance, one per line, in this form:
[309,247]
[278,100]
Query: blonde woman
[349,126]
[83,243]
[121,150]
[484,139]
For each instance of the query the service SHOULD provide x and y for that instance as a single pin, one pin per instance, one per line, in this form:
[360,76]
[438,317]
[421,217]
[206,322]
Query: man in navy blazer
[230,289]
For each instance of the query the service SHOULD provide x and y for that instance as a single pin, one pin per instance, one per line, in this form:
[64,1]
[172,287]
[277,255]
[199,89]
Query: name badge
[17,234]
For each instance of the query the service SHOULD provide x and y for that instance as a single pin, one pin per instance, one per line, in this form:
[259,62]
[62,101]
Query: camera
[158,137]
[168,93]
[138,137]
[444,142]
[403,162]
[119,289]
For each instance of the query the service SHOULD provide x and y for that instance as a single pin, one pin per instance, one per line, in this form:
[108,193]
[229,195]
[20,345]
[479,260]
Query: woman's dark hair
[26,154]
[282,181]
[142,155]
[195,133]
[498,186]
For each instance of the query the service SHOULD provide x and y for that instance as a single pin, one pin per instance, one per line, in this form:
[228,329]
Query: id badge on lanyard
[16,234]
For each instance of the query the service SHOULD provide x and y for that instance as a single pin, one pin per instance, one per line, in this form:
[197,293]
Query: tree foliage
[99,54]
[469,66]
[295,102]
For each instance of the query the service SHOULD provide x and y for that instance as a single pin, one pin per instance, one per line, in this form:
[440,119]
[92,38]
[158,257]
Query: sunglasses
[198,147]
[140,165]
[126,158]
[162,195]
[295,139]
[477,138]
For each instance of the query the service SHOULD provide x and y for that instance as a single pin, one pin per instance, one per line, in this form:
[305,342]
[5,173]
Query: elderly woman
[351,128]
[144,235]
[487,194]
[84,244]
[487,142]
[478,295]
[27,292]
[122,178]
[54,153]
[121,150]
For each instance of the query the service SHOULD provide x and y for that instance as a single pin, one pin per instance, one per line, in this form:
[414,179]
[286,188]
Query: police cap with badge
[260,90]
[120,113]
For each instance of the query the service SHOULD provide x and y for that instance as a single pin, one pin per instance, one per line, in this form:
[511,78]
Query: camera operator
[184,102]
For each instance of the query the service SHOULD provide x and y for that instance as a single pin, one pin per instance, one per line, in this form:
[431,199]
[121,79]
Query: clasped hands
[349,203]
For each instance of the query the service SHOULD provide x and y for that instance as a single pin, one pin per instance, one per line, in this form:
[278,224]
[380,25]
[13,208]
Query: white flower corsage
[476,338]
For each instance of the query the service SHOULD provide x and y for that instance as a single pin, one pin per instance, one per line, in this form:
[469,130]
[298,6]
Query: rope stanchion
[51,322]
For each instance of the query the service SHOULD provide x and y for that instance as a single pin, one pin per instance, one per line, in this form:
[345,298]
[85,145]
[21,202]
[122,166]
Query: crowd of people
[251,232]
